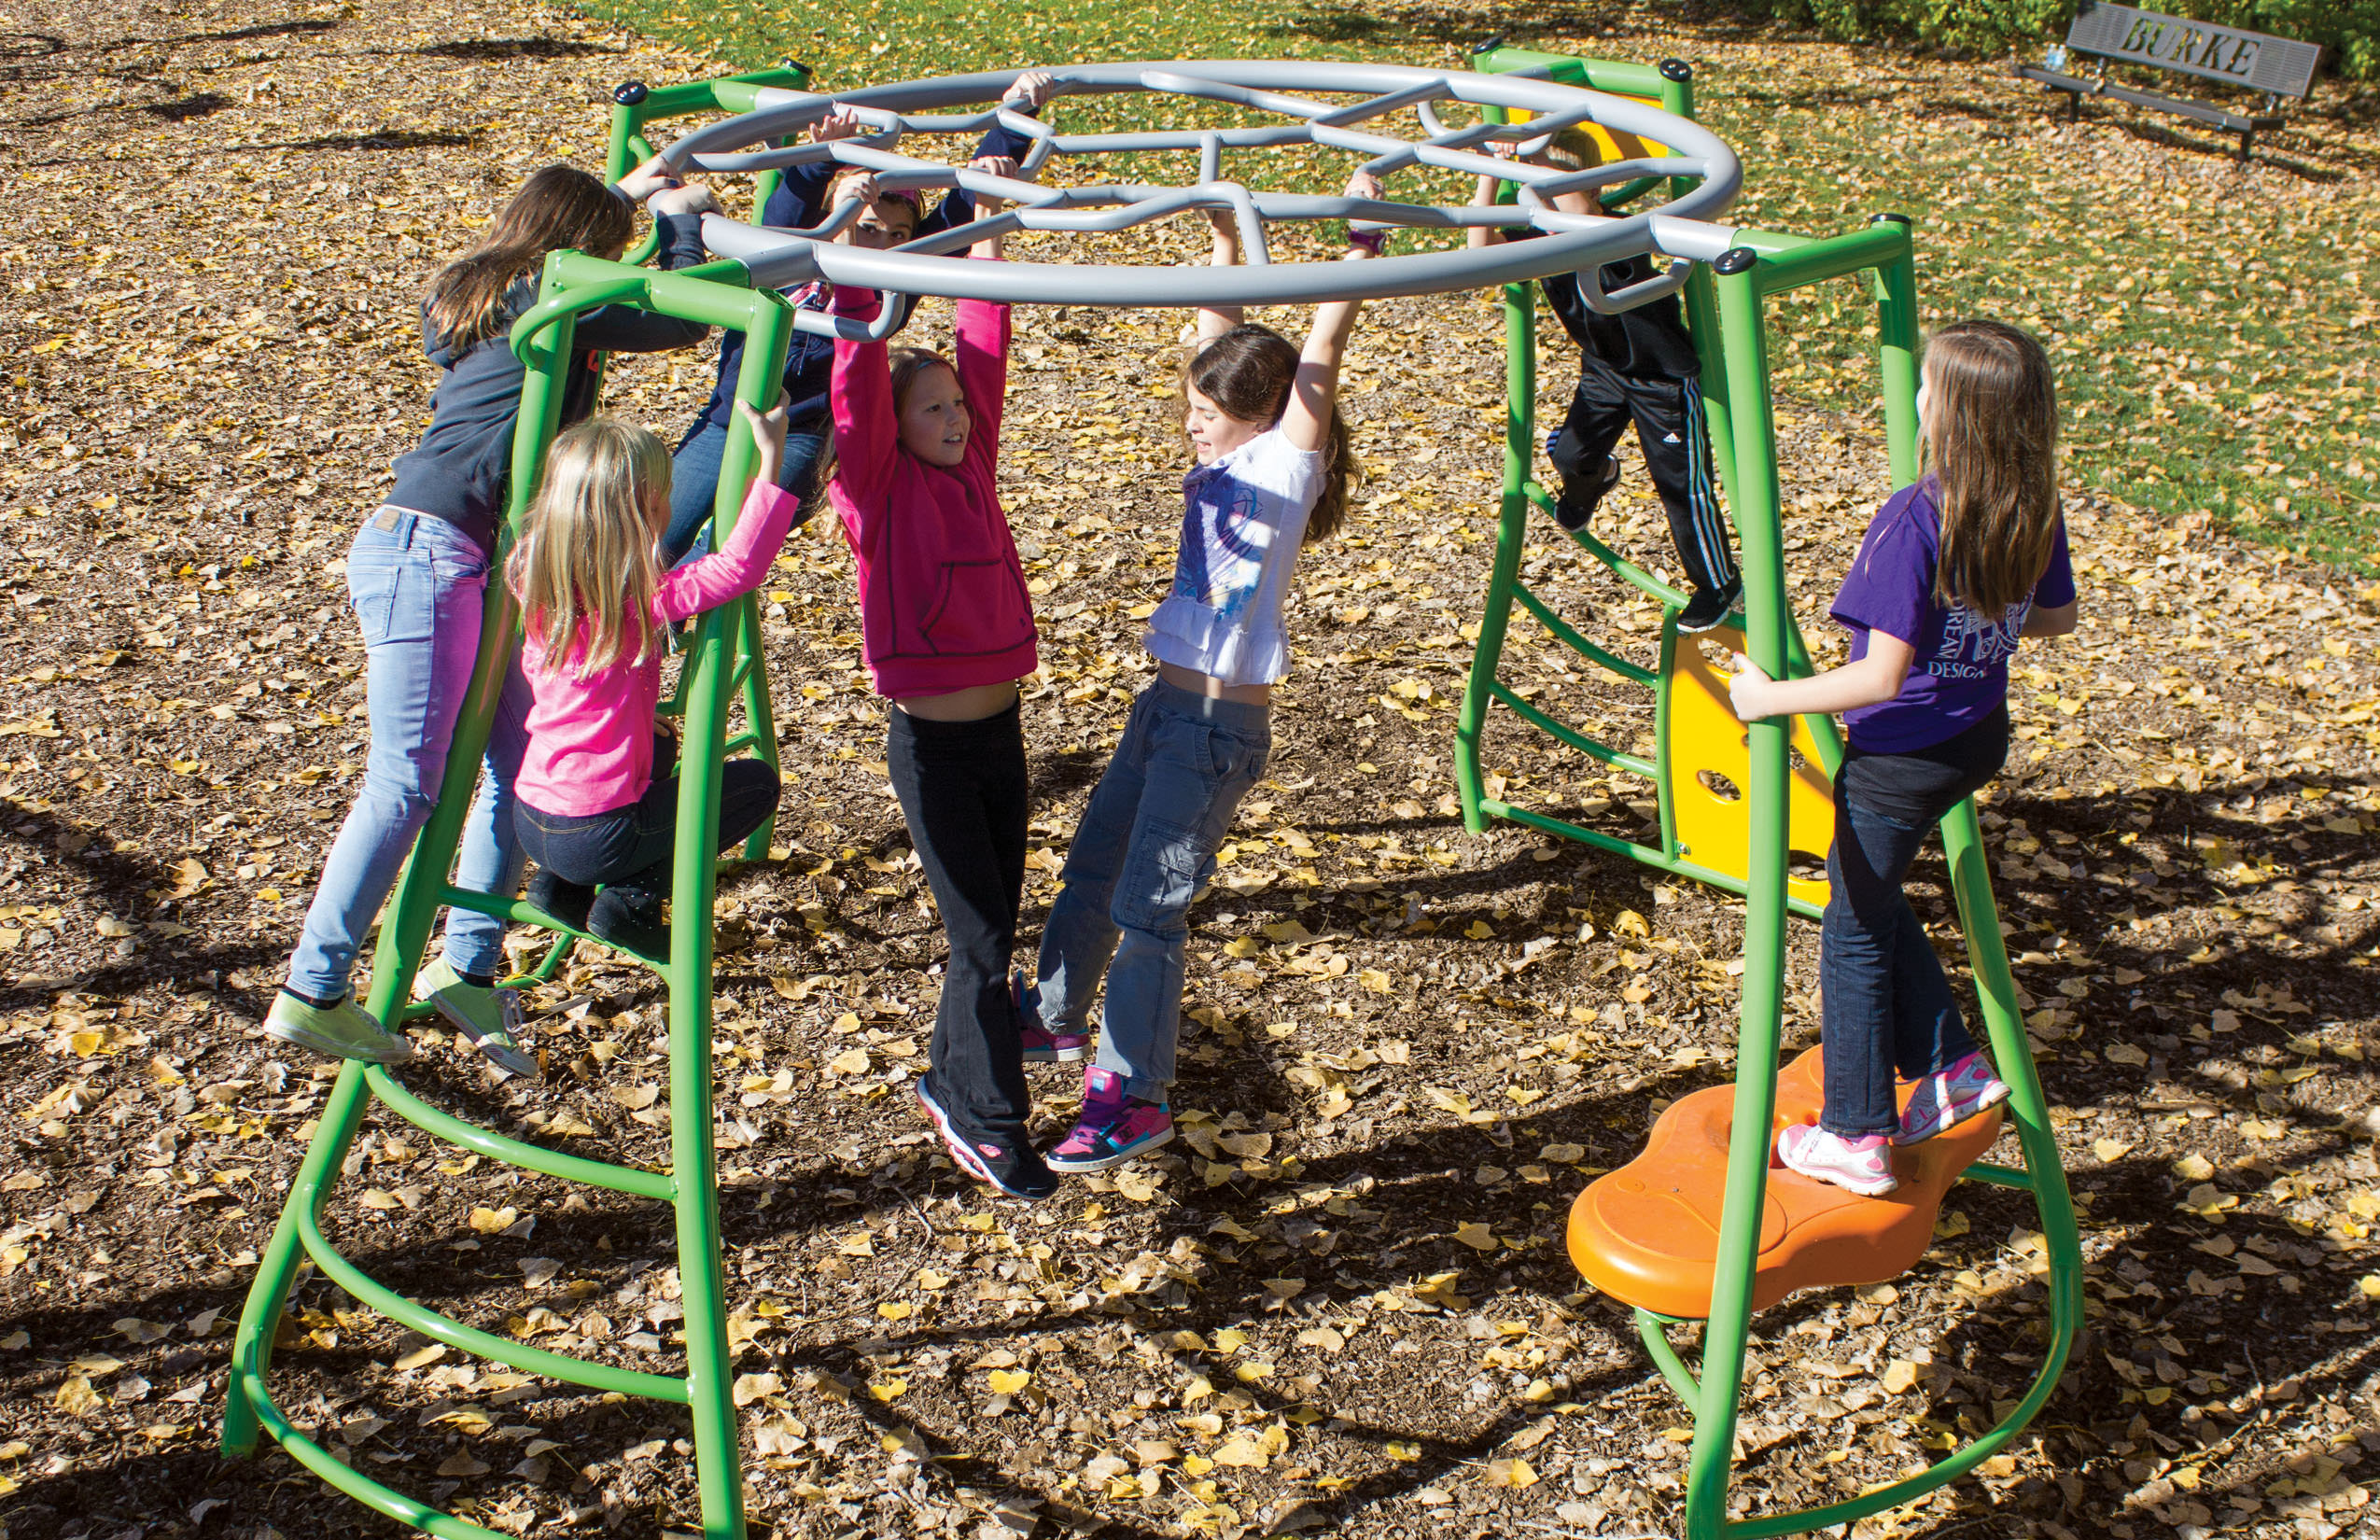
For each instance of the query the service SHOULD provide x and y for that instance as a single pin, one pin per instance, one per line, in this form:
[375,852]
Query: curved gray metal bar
[1567,243]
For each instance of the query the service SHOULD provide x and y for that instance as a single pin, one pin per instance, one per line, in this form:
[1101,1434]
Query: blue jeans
[1145,846]
[417,583]
[694,478]
[1886,1005]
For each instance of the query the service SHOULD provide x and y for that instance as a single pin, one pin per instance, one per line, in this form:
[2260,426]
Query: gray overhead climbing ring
[1681,231]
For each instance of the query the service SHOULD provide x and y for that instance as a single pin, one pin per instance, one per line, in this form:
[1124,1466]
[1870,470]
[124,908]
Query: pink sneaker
[1948,1098]
[1042,1045]
[1863,1166]
[1112,1128]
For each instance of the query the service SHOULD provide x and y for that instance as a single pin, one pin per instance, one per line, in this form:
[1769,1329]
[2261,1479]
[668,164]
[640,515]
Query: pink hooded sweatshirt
[943,605]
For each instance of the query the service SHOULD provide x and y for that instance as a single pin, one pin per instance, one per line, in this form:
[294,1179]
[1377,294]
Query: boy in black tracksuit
[1636,367]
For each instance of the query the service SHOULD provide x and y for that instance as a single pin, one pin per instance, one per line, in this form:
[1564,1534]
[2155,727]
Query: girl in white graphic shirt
[1272,472]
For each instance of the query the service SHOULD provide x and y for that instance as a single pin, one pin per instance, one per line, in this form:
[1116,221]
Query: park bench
[2126,34]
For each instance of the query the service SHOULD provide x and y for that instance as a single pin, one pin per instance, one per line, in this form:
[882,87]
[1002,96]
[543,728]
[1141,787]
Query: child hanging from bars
[946,631]
[1273,464]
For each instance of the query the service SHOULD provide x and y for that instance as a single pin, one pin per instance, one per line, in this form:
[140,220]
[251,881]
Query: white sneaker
[1948,1098]
[1862,1166]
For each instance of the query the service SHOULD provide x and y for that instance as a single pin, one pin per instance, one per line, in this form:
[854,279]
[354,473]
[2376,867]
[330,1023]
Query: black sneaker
[630,919]
[1577,504]
[1008,1164]
[1710,607]
[565,900]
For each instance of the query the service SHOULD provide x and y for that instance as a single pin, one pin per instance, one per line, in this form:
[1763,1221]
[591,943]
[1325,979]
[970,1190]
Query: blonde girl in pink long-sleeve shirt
[597,788]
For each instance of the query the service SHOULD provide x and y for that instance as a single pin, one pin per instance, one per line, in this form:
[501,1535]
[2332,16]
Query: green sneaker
[487,1017]
[344,1031]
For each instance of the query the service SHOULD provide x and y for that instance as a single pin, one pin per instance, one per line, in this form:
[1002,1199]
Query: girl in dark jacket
[416,576]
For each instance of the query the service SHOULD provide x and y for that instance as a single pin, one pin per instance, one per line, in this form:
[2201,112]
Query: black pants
[1887,1007]
[962,788]
[1668,414]
[629,847]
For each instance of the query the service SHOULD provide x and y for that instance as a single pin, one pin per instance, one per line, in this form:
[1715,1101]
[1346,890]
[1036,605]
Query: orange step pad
[1648,1233]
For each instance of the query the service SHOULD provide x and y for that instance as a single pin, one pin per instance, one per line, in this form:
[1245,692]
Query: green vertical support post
[627,121]
[1766,623]
[711,665]
[1520,430]
[1702,324]
[759,381]
[693,1159]
[1897,354]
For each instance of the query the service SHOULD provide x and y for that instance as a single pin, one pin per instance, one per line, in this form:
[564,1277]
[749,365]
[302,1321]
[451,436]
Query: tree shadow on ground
[492,48]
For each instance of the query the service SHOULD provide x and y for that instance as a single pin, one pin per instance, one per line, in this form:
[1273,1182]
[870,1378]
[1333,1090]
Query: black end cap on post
[1489,46]
[1735,260]
[1900,219]
[629,93]
[1677,70]
[796,67]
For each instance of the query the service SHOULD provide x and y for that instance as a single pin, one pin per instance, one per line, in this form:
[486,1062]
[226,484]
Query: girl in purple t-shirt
[1952,572]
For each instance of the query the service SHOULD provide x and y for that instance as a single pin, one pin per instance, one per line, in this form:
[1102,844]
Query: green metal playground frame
[724,665]
[1726,313]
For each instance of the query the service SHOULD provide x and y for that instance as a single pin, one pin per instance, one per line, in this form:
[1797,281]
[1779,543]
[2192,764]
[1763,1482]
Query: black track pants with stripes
[1668,414]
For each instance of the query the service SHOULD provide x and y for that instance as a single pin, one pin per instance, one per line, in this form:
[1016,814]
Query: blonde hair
[585,568]
[1991,439]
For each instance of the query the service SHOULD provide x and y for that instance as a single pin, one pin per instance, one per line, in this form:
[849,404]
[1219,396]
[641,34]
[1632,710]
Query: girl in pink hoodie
[947,630]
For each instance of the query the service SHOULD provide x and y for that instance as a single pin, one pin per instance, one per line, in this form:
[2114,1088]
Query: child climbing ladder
[1640,367]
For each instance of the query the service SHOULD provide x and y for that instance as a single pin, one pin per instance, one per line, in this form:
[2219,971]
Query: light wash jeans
[1145,846]
[417,583]
[693,480]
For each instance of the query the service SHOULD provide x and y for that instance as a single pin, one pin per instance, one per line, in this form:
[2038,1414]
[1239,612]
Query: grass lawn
[2214,323]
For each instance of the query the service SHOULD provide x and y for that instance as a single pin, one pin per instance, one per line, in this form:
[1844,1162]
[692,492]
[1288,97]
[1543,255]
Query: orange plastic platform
[1648,1233]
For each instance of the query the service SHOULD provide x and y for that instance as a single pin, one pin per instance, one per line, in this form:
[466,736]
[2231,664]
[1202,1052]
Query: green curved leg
[726,656]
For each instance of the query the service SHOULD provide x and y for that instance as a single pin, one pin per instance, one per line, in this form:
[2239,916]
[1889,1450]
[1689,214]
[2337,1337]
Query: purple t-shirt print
[1961,672]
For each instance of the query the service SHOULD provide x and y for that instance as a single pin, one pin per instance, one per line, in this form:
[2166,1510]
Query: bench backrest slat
[2281,65]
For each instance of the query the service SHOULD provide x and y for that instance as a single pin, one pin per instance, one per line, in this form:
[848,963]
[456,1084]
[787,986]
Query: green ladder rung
[1645,854]
[1621,567]
[1571,735]
[1578,643]
[340,1476]
[742,741]
[657,1185]
[447,1329]
[522,912]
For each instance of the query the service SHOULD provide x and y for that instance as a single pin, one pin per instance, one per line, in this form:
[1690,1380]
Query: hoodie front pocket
[978,608]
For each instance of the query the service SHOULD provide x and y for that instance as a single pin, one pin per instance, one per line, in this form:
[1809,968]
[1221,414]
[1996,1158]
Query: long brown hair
[1991,437]
[585,563]
[558,208]
[1248,373]
[908,364]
